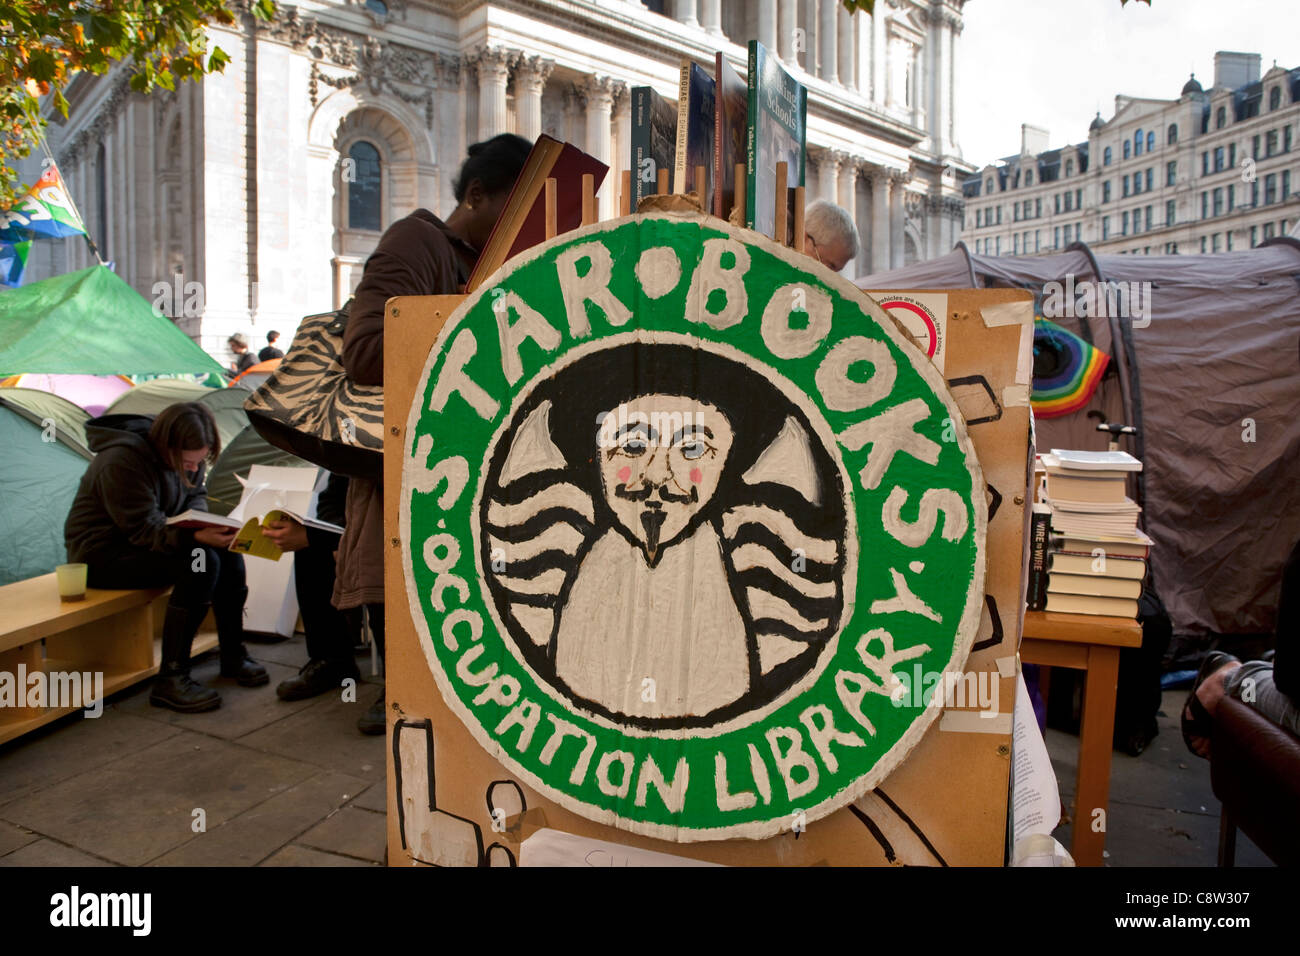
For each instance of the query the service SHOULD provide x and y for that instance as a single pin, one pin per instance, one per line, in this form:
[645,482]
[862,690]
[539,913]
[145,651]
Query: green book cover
[778,111]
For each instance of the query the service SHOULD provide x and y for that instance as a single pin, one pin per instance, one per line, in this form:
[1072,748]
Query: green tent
[38,480]
[91,322]
[226,404]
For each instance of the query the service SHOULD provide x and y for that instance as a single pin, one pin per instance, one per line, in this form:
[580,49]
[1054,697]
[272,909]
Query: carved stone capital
[600,91]
[493,63]
[532,72]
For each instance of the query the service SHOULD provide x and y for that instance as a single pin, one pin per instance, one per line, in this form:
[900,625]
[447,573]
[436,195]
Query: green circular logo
[684,514]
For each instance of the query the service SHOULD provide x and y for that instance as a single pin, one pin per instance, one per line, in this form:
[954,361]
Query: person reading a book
[417,255]
[830,235]
[146,470]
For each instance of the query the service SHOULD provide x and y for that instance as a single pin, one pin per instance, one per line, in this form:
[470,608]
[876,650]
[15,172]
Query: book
[731,113]
[522,223]
[1091,460]
[776,131]
[252,540]
[1039,533]
[1094,584]
[1086,486]
[1103,564]
[203,519]
[1092,604]
[1137,545]
[694,130]
[654,141]
[1125,506]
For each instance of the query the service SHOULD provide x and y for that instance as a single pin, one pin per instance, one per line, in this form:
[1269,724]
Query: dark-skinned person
[418,255]
[145,471]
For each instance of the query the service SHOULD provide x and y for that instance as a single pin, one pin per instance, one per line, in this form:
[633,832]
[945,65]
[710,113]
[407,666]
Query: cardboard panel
[464,806]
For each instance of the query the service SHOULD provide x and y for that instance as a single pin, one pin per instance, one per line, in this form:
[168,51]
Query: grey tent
[150,398]
[45,455]
[1213,382]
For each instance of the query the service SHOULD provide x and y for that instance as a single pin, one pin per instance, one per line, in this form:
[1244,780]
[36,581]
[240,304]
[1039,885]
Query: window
[1286,139]
[1229,240]
[1270,189]
[1137,143]
[1172,136]
[1286,184]
[998,246]
[1171,173]
[1056,203]
[1105,227]
[1069,167]
[1205,163]
[1036,246]
[1205,205]
[1038,208]
[1105,192]
[1270,142]
[1218,158]
[1254,147]
[1078,199]
[1169,213]
[1056,238]
[1232,155]
[1254,194]
[1015,248]
[1254,235]
[989,186]
[1220,118]
[1127,149]
[1275,97]
[1150,221]
[1137,220]
[1232,190]
[1029,177]
[1151,178]
[365,192]
[1124,228]
[1125,182]
[1203,243]
[999,216]
[1015,212]
[1214,243]
[1218,201]
[1105,156]
[1268,231]
[1151,141]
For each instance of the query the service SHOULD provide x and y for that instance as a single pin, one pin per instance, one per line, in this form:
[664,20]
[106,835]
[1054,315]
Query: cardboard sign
[681,524]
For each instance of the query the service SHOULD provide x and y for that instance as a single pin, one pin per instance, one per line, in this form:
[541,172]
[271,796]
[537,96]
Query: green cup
[72,582]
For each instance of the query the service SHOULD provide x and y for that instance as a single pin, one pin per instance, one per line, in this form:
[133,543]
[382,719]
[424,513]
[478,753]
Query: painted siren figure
[691,538]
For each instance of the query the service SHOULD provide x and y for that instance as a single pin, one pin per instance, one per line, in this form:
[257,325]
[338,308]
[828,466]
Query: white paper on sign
[557,848]
[924,315]
[1035,797]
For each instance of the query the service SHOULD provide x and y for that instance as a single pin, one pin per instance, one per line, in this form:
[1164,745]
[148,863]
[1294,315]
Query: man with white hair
[830,236]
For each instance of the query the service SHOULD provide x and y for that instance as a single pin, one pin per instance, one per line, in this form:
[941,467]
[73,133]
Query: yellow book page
[252,541]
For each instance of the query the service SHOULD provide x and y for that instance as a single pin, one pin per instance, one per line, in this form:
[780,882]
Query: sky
[1055,63]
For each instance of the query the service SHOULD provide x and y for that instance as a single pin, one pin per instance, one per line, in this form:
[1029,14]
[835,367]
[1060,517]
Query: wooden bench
[118,633]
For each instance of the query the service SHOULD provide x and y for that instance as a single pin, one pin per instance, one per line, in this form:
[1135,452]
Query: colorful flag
[1067,370]
[44,212]
[13,261]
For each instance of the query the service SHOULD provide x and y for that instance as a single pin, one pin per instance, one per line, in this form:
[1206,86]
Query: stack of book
[1093,560]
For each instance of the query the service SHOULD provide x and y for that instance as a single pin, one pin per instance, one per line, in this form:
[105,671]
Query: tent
[94,393]
[226,404]
[253,376]
[1211,377]
[91,322]
[39,479]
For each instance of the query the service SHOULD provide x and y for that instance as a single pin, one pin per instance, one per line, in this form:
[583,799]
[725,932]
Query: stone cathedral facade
[268,185]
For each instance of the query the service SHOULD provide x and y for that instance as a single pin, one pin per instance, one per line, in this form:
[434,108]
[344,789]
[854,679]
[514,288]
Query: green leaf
[217,60]
[40,65]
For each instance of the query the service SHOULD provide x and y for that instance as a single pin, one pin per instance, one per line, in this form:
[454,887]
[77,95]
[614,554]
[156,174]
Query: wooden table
[1091,644]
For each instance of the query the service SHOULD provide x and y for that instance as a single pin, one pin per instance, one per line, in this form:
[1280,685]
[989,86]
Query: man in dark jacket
[270,352]
[417,255]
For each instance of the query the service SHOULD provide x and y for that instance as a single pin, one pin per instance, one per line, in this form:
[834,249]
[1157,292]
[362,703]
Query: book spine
[683,127]
[1036,593]
[751,139]
[641,133]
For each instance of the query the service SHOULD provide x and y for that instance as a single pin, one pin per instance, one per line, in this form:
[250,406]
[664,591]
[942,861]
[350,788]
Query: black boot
[235,661]
[173,688]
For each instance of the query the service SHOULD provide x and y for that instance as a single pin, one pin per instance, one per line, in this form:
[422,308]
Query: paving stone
[1151,836]
[50,853]
[291,653]
[374,798]
[251,836]
[325,733]
[12,837]
[243,710]
[305,856]
[352,832]
[139,807]
[48,756]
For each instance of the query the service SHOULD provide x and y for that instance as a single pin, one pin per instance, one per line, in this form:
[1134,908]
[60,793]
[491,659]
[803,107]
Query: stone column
[847,33]
[828,175]
[767,23]
[450,143]
[947,124]
[684,12]
[828,44]
[787,19]
[711,16]
[898,180]
[879,56]
[530,79]
[493,66]
[879,219]
[600,92]
[622,145]
[848,186]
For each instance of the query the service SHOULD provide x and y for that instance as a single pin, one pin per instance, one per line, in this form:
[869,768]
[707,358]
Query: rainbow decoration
[1067,370]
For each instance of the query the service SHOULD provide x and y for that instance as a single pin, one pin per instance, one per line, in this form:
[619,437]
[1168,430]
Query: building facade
[268,185]
[1212,171]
